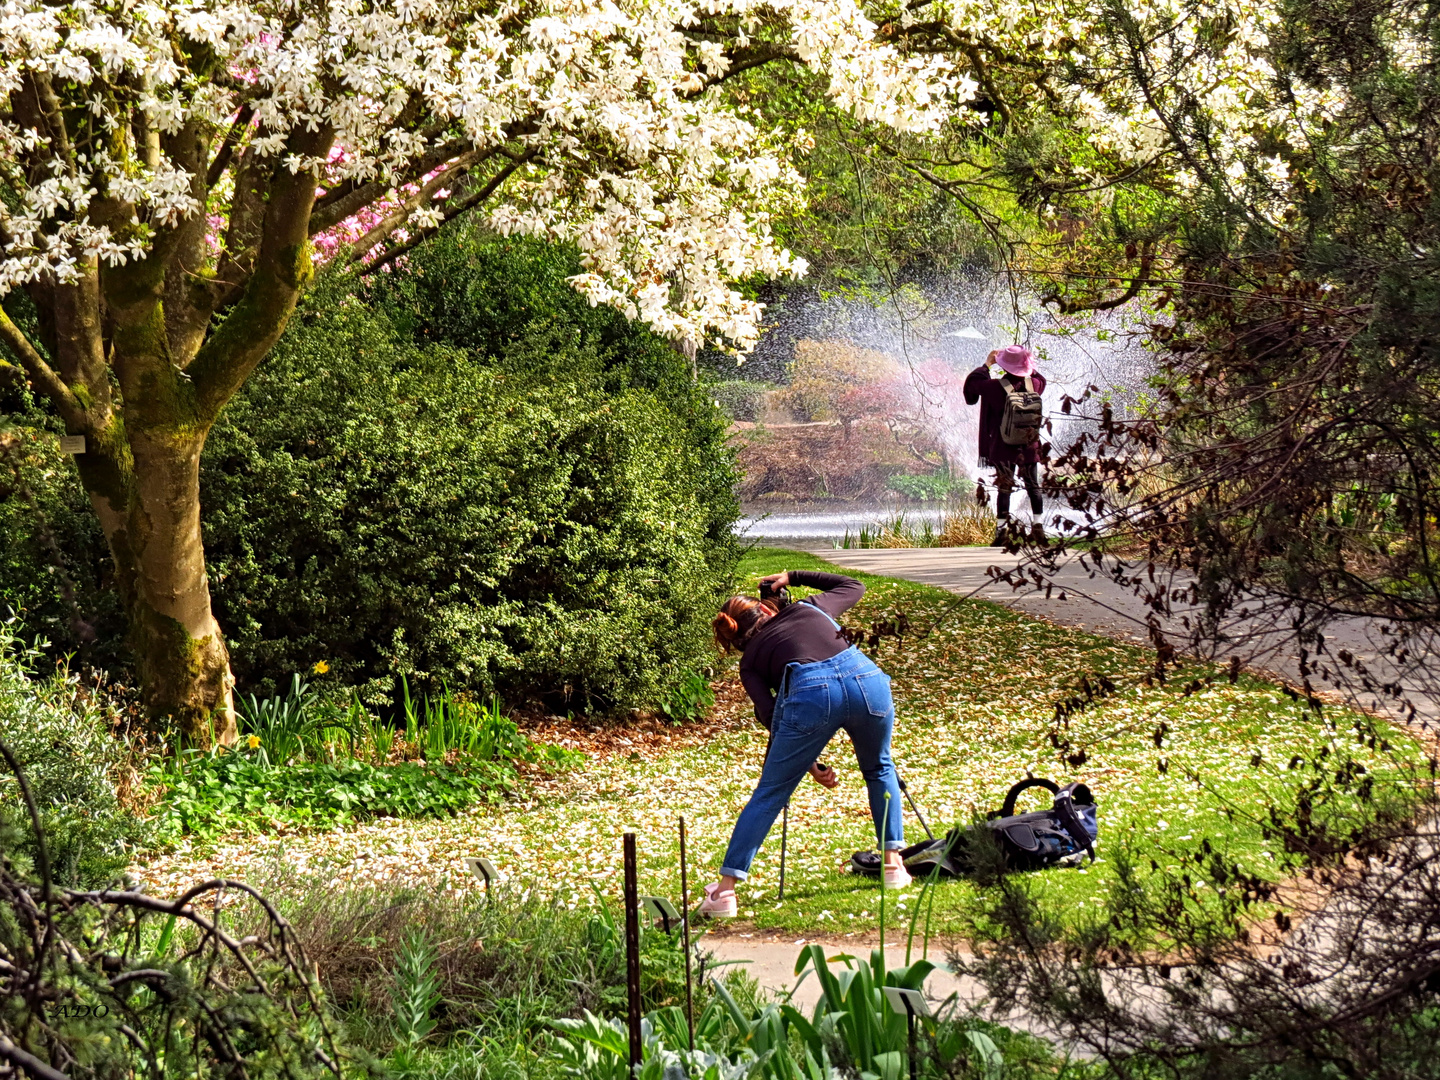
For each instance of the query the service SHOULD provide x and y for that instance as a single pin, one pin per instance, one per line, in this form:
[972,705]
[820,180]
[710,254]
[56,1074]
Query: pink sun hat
[1016,360]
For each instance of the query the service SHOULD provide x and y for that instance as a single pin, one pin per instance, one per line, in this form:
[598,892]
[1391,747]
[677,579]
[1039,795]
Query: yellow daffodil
[253,741]
[321,667]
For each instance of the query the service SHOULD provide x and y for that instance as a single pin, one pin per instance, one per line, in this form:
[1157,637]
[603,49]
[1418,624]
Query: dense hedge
[392,509]
[55,568]
[461,474]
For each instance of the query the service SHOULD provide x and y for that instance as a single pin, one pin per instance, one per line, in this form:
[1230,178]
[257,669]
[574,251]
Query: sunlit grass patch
[1172,764]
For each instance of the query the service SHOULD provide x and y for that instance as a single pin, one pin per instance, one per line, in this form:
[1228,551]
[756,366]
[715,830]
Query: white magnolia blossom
[615,137]
[1207,70]
[666,186]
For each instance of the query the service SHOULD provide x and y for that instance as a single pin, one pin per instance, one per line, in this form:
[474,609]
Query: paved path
[1074,594]
[771,963]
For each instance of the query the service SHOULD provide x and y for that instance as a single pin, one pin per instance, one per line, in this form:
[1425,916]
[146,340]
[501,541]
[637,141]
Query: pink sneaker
[718,905]
[896,877]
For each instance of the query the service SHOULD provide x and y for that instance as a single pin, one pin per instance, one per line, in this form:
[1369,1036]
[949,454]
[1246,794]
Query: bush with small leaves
[61,737]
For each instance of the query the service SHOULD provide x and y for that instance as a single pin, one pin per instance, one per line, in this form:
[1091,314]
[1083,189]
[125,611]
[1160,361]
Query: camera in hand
[779,597]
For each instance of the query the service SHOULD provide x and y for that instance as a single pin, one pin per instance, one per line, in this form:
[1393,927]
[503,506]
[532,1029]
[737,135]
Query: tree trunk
[146,494]
[131,362]
[184,664]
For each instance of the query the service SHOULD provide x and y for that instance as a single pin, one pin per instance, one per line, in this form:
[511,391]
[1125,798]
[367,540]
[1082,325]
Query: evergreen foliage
[63,742]
[466,475]
[55,568]
[540,523]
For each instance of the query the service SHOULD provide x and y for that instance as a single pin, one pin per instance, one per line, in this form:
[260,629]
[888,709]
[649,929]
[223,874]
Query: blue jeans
[817,700]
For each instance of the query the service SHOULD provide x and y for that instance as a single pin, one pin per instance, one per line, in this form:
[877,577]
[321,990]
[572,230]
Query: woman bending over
[807,683]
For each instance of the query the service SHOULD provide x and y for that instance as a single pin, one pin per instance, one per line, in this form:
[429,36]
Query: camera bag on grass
[1060,836]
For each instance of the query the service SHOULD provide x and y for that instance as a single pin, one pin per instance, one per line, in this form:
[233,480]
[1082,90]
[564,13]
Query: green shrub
[54,563]
[470,289]
[527,527]
[63,745]
[472,477]
[934,486]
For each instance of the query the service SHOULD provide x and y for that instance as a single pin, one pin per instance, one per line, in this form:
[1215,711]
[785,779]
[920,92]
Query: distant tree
[837,381]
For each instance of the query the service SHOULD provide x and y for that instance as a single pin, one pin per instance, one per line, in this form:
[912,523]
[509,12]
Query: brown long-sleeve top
[800,634]
[990,393]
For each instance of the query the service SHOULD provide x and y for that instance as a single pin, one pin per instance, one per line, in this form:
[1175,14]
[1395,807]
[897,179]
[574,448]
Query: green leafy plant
[690,700]
[299,726]
[851,1032]
[54,562]
[415,994]
[597,1048]
[440,725]
[60,735]
[508,959]
[214,793]
[379,738]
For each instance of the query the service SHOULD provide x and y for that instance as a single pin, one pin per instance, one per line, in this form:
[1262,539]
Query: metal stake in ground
[685,925]
[632,949]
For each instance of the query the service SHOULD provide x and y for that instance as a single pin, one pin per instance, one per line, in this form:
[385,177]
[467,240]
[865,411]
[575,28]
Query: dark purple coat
[979,386]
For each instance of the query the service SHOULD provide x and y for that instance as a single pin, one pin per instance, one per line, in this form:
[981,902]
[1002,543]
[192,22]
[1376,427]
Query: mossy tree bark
[141,357]
[129,359]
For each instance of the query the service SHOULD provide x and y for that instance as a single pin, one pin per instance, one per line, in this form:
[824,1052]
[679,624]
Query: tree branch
[42,375]
[221,161]
[282,267]
[28,1063]
[395,220]
[347,187]
[333,208]
[1069,307]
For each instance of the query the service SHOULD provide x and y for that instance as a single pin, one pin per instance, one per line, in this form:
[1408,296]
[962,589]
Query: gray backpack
[1020,422]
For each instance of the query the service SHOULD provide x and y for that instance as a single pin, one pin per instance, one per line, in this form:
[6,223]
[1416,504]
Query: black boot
[1002,530]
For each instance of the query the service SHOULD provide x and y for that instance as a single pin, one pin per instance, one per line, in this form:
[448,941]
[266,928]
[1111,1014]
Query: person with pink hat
[1010,416]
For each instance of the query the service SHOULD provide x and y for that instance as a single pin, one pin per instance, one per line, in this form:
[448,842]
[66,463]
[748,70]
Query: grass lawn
[976,701]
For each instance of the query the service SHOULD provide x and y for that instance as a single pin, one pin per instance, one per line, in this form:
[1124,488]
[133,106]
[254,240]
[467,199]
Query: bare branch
[333,208]
[452,210]
[221,161]
[387,225]
[1068,307]
[282,267]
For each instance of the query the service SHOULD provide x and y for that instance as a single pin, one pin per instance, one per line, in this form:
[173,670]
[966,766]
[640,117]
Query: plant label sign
[660,910]
[906,1002]
[483,869]
[72,444]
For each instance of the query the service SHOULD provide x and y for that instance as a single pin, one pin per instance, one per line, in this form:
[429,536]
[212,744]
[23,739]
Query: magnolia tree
[167,166]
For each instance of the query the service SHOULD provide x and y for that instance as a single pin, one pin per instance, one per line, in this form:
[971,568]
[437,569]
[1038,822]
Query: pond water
[824,524]
[820,525]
